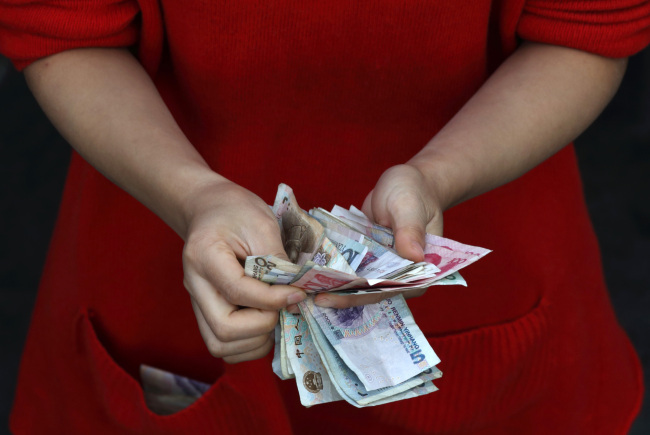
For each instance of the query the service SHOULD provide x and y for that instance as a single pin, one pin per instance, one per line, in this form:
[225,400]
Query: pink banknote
[450,256]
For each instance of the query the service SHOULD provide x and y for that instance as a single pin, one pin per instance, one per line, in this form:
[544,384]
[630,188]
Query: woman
[406,108]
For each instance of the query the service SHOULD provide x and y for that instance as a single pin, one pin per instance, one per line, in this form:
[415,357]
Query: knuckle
[394,171]
[192,250]
[199,246]
[259,341]
[215,348]
[194,253]
[224,332]
[229,290]
[261,351]
[234,359]
[404,197]
[410,197]
[267,347]
[271,321]
[249,356]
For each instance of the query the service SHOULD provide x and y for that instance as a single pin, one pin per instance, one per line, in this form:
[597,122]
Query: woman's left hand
[403,201]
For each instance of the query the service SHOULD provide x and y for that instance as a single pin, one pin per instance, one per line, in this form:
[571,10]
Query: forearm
[540,99]
[107,108]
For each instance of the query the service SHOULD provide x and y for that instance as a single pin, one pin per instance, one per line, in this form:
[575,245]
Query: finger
[220,349]
[345,301]
[414,293]
[225,320]
[366,208]
[227,276]
[252,354]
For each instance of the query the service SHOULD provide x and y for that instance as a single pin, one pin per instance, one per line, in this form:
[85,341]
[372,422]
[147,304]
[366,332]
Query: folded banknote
[166,393]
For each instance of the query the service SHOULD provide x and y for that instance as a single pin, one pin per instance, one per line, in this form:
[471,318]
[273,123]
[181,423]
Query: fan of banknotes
[366,355]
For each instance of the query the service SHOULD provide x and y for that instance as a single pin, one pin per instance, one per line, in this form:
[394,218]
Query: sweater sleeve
[32,29]
[612,28]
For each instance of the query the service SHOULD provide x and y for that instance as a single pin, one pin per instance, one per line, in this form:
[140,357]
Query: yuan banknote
[302,235]
[449,255]
[314,384]
[348,384]
[358,221]
[379,342]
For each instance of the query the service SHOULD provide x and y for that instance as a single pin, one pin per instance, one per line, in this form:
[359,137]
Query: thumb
[409,229]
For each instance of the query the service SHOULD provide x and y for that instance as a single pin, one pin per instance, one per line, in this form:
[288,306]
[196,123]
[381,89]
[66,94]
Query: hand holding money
[370,354]
[367,355]
[217,237]
[403,201]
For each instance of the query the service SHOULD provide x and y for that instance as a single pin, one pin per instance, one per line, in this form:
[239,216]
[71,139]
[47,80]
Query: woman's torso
[325,96]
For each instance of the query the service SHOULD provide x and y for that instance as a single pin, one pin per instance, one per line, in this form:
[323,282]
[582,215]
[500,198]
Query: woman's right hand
[143,150]
[236,314]
[121,126]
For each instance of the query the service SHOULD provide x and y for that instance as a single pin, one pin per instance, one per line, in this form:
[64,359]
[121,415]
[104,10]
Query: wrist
[450,170]
[199,194]
[436,179]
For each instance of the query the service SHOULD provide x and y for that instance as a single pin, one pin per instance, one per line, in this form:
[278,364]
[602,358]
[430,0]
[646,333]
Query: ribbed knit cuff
[611,28]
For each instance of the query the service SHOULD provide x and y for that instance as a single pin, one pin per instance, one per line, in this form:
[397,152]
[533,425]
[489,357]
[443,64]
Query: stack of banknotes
[366,355]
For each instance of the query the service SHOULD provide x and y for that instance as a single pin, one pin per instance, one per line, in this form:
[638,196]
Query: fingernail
[293,309]
[294,298]
[417,246]
[323,302]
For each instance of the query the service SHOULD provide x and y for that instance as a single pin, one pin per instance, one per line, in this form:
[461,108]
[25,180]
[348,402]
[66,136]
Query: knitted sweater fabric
[325,96]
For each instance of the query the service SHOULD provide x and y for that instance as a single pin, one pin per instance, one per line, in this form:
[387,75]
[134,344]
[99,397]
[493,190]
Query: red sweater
[325,96]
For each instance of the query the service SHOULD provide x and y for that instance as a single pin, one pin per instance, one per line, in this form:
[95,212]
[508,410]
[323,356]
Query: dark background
[614,157]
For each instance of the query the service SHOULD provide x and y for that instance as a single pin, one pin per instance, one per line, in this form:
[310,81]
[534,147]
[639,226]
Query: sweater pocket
[491,374]
[225,408]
